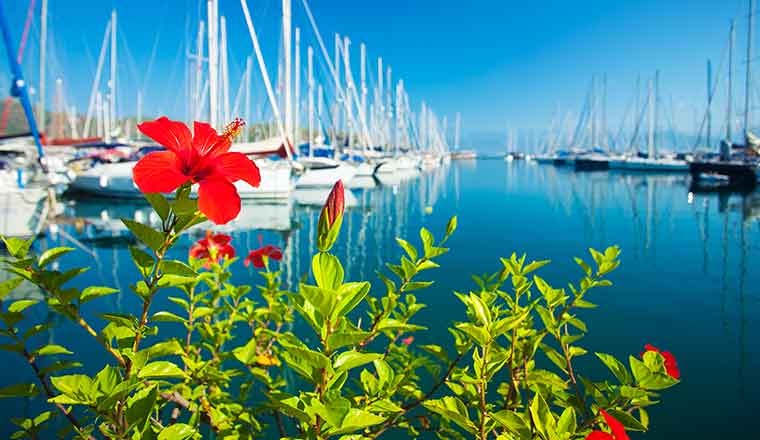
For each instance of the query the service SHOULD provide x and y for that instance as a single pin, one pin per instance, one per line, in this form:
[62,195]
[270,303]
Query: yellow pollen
[233,129]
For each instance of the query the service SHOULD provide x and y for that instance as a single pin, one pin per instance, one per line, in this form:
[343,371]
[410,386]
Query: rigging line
[151,60]
[713,88]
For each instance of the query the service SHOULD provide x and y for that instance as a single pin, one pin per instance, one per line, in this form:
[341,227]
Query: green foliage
[239,370]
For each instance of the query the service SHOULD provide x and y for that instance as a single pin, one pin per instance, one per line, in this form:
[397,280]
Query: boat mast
[225,77]
[363,84]
[729,110]
[112,83]
[338,108]
[709,101]
[43,63]
[213,63]
[604,112]
[650,120]
[297,97]
[747,92]
[594,138]
[286,46]
[310,79]
[265,77]
[655,137]
[247,112]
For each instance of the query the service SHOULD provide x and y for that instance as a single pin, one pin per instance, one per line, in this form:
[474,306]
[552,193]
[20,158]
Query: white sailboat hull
[115,180]
[323,173]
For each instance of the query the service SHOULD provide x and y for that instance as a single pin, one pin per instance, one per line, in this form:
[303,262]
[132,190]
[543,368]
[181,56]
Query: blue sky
[498,62]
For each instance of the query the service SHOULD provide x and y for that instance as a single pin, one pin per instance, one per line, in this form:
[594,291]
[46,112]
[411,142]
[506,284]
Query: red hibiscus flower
[257,257]
[202,158]
[616,428]
[408,340]
[671,366]
[214,247]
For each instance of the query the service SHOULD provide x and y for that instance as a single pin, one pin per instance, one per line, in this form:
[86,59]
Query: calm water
[687,283]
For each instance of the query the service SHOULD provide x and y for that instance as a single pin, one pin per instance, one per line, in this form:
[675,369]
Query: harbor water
[688,282]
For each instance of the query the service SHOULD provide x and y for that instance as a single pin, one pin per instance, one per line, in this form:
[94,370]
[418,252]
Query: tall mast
[349,90]
[297,79]
[286,46]
[247,112]
[96,83]
[197,104]
[747,92]
[112,83]
[43,63]
[363,85]
[730,104]
[379,107]
[310,80]
[604,111]
[213,63]
[650,120]
[338,108]
[656,111]
[224,70]
[594,138]
[709,101]
[139,107]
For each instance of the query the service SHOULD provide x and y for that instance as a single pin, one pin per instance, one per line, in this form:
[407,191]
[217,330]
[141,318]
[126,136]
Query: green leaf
[478,334]
[51,255]
[322,299]
[17,247]
[350,295]
[408,248]
[164,316]
[513,422]
[74,388]
[177,431]
[159,204]
[357,420]
[566,423]
[351,359]
[328,272]
[19,390]
[143,261]
[93,292]
[648,379]
[178,268]
[427,241]
[165,348]
[7,286]
[453,409]
[152,238]
[616,367]
[140,406]
[21,305]
[345,338]
[160,369]
[627,420]
[451,226]
[51,349]
[584,266]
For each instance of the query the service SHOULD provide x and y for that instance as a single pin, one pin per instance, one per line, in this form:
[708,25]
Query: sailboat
[651,161]
[735,165]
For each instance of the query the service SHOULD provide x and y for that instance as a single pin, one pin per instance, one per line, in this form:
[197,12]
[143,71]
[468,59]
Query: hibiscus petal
[599,435]
[236,166]
[206,139]
[671,366]
[173,135]
[617,428]
[159,172]
[218,200]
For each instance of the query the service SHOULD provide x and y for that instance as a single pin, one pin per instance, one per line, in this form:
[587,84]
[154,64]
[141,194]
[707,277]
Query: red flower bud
[331,218]
[408,340]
